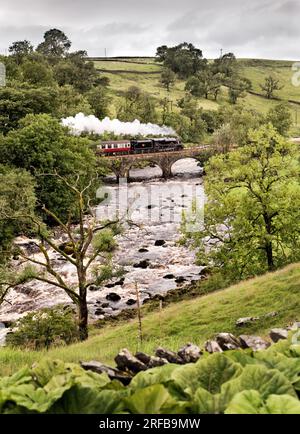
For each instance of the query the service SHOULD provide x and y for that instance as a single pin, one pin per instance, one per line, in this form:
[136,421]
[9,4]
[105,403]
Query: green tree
[205,83]
[252,209]
[16,103]
[42,145]
[55,44]
[137,105]
[197,127]
[70,102]
[224,137]
[167,78]
[37,73]
[99,101]
[270,85]
[16,195]
[189,107]
[237,88]
[20,49]
[240,120]
[280,116]
[226,65]
[183,59]
[76,71]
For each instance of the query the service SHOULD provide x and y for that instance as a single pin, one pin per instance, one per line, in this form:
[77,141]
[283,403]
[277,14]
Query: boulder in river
[142,264]
[130,302]
[113,296]
[180,279]
[93,288]
[159,243]
[169,276]
[99,311]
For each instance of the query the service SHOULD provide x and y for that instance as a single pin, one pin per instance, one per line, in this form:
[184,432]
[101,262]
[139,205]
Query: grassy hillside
[187,321]
[145,73]
[257,70]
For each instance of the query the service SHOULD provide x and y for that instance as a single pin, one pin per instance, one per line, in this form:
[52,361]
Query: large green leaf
[282,404]
[46,369]
[263,380]
[246,402]
[282,346]
[149,400]
[161,374]
[209,373]
[205,402]
[27,396]
[243,357]
[80,400]
[295,351]
[288,366]
[23,376]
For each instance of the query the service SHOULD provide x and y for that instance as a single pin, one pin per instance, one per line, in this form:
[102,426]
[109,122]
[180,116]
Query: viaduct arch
[122,164]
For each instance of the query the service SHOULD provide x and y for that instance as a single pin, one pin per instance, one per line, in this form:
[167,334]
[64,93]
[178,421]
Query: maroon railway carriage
[140,146]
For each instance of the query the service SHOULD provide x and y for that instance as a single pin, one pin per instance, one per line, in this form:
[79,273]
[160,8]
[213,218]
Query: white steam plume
[81,123]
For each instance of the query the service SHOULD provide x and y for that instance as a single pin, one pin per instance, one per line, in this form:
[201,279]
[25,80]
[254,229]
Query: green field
[192,320]
[144,73]
[257,70]
[127,66]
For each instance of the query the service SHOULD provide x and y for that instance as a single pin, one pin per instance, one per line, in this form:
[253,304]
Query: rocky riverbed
[148,250]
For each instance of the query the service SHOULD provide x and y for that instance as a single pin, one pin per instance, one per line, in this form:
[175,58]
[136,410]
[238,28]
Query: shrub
[45,328]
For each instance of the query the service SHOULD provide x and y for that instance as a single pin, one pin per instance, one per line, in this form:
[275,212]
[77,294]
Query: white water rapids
[160,263]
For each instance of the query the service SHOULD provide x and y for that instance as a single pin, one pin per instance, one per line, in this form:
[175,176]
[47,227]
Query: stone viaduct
[121,164]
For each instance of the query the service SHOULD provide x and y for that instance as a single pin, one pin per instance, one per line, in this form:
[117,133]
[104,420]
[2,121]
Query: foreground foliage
[231,382]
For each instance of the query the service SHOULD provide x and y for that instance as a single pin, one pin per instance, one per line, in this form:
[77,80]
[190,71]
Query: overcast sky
[256,28]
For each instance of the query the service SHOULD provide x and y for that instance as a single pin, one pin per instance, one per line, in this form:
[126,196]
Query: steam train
[126,147]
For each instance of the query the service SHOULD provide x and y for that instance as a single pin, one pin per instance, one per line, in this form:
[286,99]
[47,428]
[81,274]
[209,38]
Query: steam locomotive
[126,147]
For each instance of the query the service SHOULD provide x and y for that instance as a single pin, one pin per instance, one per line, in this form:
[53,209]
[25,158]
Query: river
[148,249]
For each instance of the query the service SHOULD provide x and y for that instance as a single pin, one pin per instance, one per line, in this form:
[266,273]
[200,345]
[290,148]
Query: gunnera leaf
[209,373]
[246,402]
